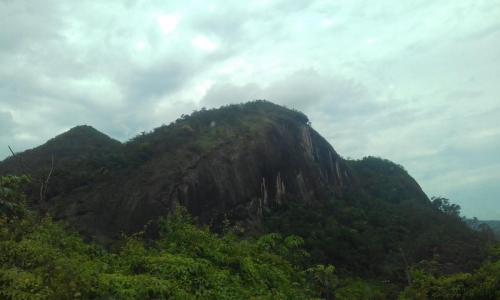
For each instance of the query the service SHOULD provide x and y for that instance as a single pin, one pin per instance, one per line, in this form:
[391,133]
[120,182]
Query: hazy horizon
[415,82]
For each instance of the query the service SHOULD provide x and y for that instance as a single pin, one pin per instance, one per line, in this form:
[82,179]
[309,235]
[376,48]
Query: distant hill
[260,167]
[494,225]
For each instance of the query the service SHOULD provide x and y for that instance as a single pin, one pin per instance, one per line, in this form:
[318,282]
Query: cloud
[224,93]
[303,89]
[167,23]
[143,83]
[204,43]
[309,91]
[6,123]
[20,32]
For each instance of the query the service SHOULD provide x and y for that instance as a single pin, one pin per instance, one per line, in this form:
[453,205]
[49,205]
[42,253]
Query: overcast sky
[417,82]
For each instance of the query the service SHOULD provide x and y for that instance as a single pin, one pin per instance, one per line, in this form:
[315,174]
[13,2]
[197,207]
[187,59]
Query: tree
[444,205]
[12,200]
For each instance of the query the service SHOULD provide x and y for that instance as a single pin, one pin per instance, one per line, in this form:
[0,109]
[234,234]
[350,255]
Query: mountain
[494,225]
[79,143]
[235,161]
[485,225]
[257,166]
[64,163]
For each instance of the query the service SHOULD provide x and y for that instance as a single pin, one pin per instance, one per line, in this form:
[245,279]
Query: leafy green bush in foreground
[41,260]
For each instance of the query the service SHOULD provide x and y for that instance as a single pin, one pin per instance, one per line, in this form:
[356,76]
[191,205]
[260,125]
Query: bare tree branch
[46,185]
[23,166]
[13,154]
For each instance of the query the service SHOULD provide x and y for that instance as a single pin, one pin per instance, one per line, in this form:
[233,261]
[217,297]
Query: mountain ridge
[261,167]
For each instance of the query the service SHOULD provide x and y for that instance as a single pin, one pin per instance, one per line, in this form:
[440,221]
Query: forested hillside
[238,202]
[41,259]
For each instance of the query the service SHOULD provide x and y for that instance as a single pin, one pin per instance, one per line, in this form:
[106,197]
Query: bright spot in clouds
[202,88]
[204,43]
[371,41]
[140,45]
[328,23]
[167,23]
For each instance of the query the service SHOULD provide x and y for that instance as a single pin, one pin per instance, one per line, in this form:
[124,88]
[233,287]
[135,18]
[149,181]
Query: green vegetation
[483,283]
[41,259]
[207,129]
[378,234]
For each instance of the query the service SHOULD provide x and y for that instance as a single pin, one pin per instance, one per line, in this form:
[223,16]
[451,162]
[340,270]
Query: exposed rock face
[235,162]
[239,179]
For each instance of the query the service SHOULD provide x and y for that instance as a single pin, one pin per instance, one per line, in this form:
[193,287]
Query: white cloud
[140,45]
[167,23]
[6,123]
[204,43]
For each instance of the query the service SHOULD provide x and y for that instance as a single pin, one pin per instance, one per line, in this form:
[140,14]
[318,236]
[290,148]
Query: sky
[417,82]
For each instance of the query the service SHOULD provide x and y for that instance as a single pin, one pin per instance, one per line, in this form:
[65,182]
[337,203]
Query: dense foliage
[378,235]
[40,259]
[207,129]
[484,283]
